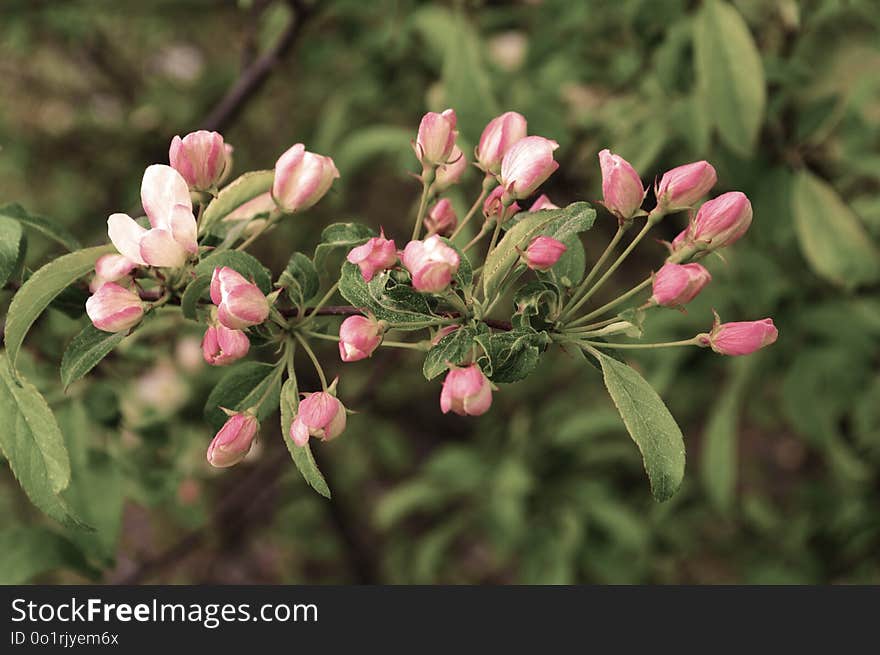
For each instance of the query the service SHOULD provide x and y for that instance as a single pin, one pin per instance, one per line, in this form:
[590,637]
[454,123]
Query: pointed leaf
[833,240]
[302,456]
[41,288]
[730,75]
[33,444]
[88,348]
[649,423]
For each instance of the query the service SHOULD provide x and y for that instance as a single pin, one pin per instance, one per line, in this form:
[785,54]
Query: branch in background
[255,75]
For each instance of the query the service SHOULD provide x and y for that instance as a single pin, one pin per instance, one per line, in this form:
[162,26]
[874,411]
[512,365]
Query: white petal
[184,229]
[126,236]
[158,248]
[161,190]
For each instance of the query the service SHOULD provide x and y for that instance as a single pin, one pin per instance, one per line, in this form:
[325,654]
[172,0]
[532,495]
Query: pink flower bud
[493,208]
[451,172]
[166,201]
[543,202]
[742,338]
[431,263]
[359,336]
[543,253]
[110,268]
[466,391]
[320,415]
[240,303]
[436,138]
[721,221]
[200,157]
[302,178]
[441,218]
[622,188]
[677,284]
[683,186]
[222,346]
[377,254]
[497,138]
[233,441]
[113,308]
[527,164]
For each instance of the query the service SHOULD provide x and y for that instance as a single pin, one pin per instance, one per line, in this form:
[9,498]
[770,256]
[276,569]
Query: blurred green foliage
[783,479]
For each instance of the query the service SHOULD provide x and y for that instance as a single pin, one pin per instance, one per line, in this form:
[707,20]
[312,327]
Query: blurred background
[783,477]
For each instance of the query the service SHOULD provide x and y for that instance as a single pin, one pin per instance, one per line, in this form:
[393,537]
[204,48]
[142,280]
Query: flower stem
[584,285]
[412,345]
[427,179]
[613,303]
[483,231]
[323,301]
[598,285]
[488,183]
[642,346]
[315,362]
[592,326]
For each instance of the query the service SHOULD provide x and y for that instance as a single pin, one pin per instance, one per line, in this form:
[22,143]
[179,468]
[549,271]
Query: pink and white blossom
[622,188]
[233,441]
[200,157]
[498,137]
[526,165]
[302,178]
[222,346]
[431,263]
[377,254]
[675,285]
[113,308]
[172,236]
[240,303]
[543,253]
[466,391]
[359,336]
[320,415]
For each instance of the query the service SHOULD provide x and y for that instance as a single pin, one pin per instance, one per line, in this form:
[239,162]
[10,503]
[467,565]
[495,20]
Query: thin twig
[253,78]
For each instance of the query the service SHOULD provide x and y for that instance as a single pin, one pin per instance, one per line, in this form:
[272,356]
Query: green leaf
[730,75]
[340,236]
[31,551]
[247,385]
[248,265]
[649,424]
[42,225]
[718,462]
[560,224]
[10,247]
[832,239]
[536,304]
[455,348]
[33,444]
[235,194]
[302,456]
[41,288]
[396,303]
[191,296]
[511,356]
[300,279]
[96,489]
[88,348]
